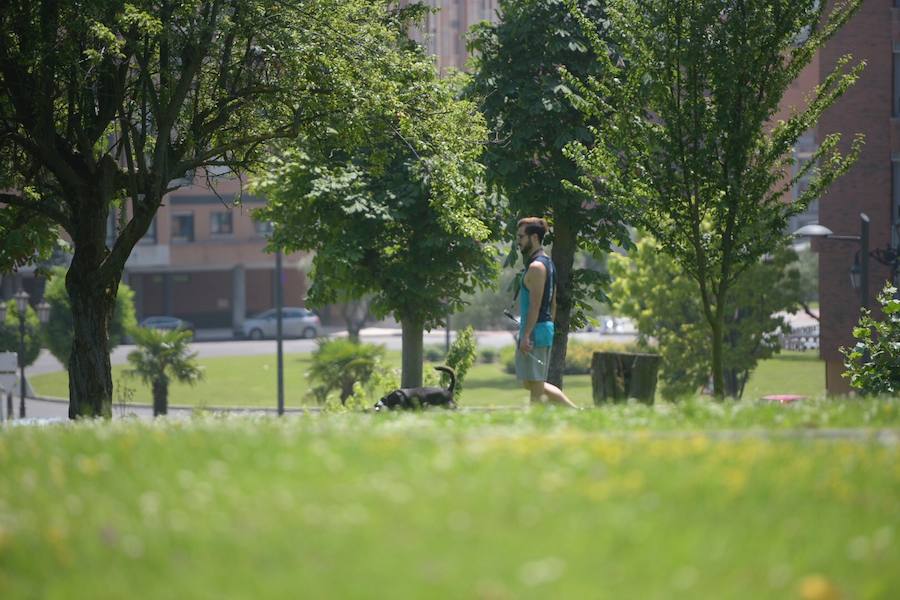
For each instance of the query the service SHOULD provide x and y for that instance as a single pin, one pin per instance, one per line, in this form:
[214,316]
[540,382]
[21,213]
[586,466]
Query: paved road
[47,363]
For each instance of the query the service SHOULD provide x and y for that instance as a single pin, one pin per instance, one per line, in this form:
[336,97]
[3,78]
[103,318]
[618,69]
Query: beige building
[204,259]
[444,32]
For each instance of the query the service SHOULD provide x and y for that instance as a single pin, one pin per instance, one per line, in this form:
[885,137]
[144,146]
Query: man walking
[537,309]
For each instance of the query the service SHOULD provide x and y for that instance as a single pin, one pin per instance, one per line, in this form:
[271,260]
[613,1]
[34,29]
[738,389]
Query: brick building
[203,260]
[872,186]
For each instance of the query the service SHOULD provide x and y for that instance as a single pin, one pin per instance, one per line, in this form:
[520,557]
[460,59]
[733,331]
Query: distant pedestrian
[537,309]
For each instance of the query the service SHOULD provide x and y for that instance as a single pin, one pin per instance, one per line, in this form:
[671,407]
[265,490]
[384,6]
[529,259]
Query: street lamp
[859,273]
[9,408]
[21,298]
[43,311]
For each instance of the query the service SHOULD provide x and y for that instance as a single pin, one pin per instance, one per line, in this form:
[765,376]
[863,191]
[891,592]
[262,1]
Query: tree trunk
[564,246]
[718,334]
[618,376]
[160,397]
[93,301]
[411,374]
[355,313]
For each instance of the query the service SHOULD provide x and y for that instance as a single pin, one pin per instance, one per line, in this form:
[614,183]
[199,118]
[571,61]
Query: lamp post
[279,301]
[43,311]
[859,272]
[9,406]
[21,298]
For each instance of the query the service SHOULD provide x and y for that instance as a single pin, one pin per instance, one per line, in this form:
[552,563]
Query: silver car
[167,323]
[295,322]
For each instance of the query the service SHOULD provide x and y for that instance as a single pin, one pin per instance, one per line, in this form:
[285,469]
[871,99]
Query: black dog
[421,397]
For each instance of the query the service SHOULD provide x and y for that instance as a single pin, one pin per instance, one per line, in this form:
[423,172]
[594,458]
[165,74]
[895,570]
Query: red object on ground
[783,398]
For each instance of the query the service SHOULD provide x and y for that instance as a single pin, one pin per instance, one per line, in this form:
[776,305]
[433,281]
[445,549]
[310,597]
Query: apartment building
[204,259]
[872,186]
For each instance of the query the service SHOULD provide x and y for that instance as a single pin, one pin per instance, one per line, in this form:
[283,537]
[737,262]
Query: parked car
[295,322]
[166,322]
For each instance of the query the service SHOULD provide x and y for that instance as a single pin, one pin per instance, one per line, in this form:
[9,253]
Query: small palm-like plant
[338,364]
[160,357]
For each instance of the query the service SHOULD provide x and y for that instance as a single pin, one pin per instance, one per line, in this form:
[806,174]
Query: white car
[295,322]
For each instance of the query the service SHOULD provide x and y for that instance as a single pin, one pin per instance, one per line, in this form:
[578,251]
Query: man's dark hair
[534,225]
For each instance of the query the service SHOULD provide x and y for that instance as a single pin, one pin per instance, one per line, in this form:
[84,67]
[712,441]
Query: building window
[183,227]
[149,237]
[220,223]
[263,228]
[895,199]
[895,105]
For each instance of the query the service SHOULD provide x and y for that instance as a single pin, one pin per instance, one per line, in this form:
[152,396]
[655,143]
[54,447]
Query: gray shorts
[533,366]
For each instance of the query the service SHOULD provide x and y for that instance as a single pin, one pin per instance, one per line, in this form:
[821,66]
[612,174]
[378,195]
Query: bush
[873,364]
[461,356]
[488,355]
[59,331]
[9,332]
[580,354]
[507,356]
[339,365]
[435,353]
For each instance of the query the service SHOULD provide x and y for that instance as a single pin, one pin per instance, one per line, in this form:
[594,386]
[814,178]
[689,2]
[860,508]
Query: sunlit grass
[538,504]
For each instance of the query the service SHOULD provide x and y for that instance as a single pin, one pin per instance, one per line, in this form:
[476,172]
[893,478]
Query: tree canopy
[651,288]
[699,85]
[402,217]
[519,82]
[107,103]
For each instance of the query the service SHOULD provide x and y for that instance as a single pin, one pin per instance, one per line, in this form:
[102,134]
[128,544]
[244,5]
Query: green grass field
[528,504]
[250,381]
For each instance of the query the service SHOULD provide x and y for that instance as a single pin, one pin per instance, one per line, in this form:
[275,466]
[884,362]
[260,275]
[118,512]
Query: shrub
[461,356]
[340,364]
[873,364]
[580,354]
[435,353]
[488,355]
[507,357]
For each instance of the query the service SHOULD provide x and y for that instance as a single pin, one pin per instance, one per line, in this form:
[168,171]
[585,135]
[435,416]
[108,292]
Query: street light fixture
[43,311]
[859,273]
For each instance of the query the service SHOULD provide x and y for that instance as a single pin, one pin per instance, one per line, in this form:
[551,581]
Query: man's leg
[553,393]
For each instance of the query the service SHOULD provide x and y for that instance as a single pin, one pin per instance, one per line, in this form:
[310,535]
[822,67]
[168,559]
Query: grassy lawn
[531,504]
[250,381]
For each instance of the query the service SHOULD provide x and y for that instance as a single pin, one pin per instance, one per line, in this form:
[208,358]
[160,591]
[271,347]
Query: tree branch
[44,208]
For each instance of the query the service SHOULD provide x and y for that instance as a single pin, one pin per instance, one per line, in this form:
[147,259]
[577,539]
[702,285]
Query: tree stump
[618,376]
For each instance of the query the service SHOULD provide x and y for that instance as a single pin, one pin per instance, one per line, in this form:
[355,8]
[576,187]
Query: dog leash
[512,317]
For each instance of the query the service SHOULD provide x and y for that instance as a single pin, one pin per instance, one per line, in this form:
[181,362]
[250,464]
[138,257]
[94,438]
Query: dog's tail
[452,375]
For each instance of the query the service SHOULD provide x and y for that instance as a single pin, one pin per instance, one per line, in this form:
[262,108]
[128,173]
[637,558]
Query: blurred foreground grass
[530,504]
[250,381]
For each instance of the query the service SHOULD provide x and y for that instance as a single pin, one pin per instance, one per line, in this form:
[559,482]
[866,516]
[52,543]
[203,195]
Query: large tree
[105,103]
[699,88]
[401,218]
[531,112]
